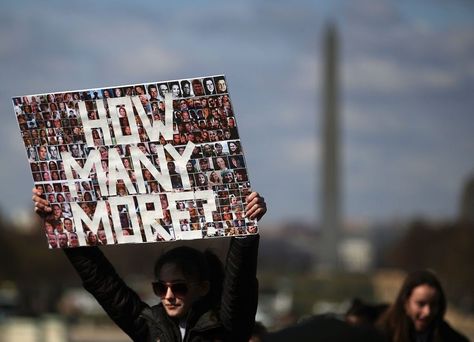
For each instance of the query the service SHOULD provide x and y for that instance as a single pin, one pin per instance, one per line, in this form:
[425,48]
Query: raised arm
[99,278]
[240,290]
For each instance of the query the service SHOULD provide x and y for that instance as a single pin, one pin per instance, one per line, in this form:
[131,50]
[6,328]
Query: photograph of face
[153,92]
[139,90]
[54,152]
[76,151]
[198,89]
[186,87]
[221,85]
[162,89]
[236,162]
[220,163]
[175,90]
[234,147]
[209,86]
[32,155]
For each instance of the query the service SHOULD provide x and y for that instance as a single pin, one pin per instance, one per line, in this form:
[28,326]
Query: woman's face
[177,305]
[46,176]
[57,211]
[210,85]
[92,239]
[32,152]
[229,177]
[48,227]
[154,186]
[43,153]
[139,90]
[202,179]
[422,306]
[221,163]
[105,166]
[232,147]
[153,148]
[147,175]
[104,153]
[86,208]
[68,225]
[175,90]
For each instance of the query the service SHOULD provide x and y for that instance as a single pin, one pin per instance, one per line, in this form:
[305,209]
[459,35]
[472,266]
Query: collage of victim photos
[203,114]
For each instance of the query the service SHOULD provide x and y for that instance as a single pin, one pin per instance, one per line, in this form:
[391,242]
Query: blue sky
[407,85]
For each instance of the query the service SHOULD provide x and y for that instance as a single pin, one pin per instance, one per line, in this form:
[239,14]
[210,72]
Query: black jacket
[443,333]
[232,322]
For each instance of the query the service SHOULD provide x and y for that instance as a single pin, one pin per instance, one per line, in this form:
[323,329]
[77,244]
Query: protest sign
[141,163]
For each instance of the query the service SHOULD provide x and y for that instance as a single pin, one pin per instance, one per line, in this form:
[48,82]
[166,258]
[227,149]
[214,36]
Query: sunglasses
[179,289]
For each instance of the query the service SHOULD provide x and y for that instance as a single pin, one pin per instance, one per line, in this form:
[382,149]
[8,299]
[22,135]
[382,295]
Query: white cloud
[382,75]
[146,58]
[308,74]
[302,152]
[366,120]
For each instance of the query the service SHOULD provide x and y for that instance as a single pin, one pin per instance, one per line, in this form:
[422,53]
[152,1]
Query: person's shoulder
[153,313]
[448,333]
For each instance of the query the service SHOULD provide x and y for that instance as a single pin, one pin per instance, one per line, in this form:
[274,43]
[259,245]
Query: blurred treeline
[446,248]
[40,276]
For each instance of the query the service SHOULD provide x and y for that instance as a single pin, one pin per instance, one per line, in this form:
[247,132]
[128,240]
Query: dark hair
[201,266]
[367,314]
[395,323]
[259,330]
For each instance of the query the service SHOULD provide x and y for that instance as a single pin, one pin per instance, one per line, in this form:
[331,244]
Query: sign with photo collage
[149,162]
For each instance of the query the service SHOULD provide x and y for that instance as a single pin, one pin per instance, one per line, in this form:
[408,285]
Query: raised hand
[255,207]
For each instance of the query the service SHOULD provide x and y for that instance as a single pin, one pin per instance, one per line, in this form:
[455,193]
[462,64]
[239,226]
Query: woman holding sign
[199,301]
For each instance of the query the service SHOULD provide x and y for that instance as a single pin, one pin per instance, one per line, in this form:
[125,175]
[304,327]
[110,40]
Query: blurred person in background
[364,314]
[418,312]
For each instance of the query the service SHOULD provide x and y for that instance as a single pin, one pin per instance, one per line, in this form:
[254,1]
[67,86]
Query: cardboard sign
[140,163]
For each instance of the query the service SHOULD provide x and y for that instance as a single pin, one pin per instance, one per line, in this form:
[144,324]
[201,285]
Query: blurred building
[356,254]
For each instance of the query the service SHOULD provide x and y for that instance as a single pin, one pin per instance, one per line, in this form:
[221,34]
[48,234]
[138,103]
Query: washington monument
[330,181]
